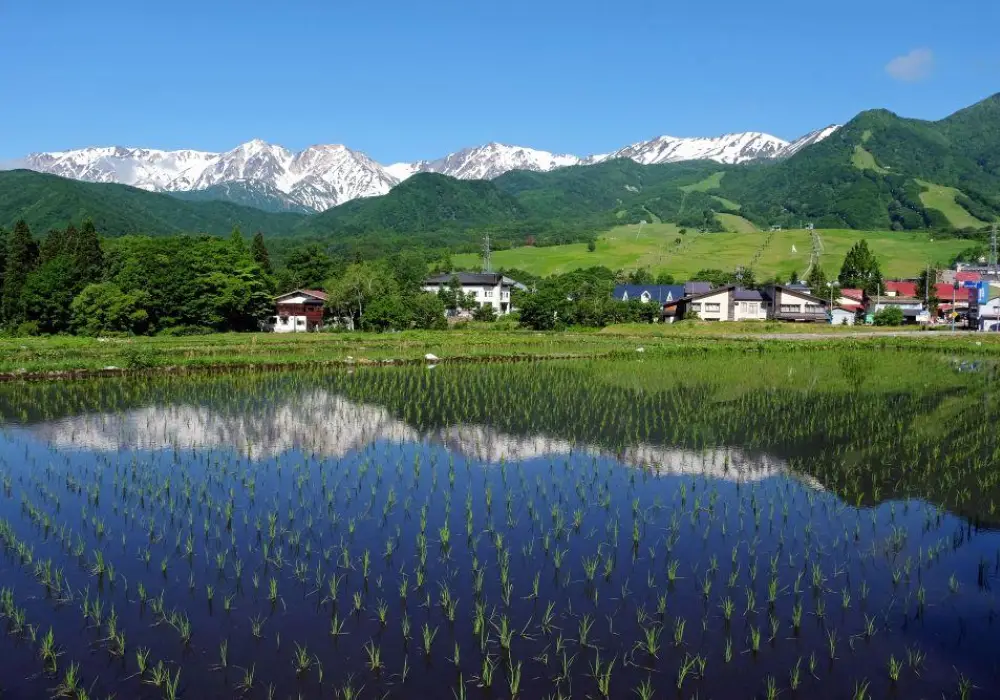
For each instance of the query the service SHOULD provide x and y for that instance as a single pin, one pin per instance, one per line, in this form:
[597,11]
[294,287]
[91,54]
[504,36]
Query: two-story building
[729,303]
[794,303]
[298,312]
[486,288]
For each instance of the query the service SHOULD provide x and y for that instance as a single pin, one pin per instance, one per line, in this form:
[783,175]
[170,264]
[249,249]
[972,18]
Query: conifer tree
[88,257]
[260,255]
[860,269]
[22,255]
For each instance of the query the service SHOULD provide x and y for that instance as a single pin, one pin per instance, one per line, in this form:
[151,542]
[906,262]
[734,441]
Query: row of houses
[797,303]
[964,296]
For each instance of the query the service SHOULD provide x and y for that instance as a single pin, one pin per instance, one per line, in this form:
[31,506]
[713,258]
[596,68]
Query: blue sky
[408,80]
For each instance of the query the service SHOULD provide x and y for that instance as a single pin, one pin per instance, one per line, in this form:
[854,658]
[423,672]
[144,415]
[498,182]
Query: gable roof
[791,289]
[661,293]
[473,279]
[852,293]
[315,293]
[740,294]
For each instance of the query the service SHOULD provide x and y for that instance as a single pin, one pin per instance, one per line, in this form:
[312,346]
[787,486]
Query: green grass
[61,354]
[736,223]
[943,199]
[712,182]
[901,254]
[864,160]
[727,203]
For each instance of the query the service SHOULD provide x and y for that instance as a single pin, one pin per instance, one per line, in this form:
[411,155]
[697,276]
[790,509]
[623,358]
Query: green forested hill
[47,202]
[866,174]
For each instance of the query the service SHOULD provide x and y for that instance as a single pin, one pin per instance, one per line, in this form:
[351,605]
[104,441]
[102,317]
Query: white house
[841,316]
[729,303]
[298,312]
[487,288]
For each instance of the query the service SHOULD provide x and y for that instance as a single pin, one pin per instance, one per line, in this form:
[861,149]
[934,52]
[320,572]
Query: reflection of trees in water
[932,441]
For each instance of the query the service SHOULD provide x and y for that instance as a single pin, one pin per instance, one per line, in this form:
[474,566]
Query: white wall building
[486,287]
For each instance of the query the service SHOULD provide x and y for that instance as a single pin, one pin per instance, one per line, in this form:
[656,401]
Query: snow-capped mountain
[486,162]
[730,149]
[807,140]
[317,178]
[321,177]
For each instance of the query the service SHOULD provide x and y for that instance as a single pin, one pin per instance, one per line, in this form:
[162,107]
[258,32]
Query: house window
[814,308]
[488,293]
[790,308]
[713,307]
[697,307]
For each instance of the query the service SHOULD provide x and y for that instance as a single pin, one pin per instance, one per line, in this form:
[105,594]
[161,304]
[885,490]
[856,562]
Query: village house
[646,293]
[728,303]
[488,288]
[912,307]
[300,311]
[794,303]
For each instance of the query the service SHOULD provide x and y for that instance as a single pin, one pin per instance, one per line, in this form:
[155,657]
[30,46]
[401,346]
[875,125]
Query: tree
[361,284]
[427,311]
[591,246]
[307,267]
[665,278]
[258,249]
[386,313]
[927,289]
[545,309]
[88,256]
[22,255]
[236,241]
[105,308]
[485,312]
[889,316]
[816,279]
[640,276]
[860,269]
[793,277]
[48,293]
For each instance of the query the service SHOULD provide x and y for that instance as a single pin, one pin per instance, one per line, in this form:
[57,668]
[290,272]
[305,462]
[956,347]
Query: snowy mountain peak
[325,175]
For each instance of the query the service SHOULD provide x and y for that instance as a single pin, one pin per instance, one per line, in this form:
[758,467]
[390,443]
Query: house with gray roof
[486,287]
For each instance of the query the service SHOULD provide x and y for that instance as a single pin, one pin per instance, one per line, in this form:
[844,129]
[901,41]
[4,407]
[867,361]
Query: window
[697,307]
[790,308]
[488,293]
[814,308]
[713,307]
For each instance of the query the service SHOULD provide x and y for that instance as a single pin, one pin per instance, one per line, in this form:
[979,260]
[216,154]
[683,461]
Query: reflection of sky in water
[328,425]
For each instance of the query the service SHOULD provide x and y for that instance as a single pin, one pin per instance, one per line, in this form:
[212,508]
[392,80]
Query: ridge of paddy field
[662,248]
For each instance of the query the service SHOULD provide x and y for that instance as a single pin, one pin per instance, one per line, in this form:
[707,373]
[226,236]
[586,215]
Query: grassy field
[712,182]
[862,159]
[737,224]
[55,356]
[901,254]
[943,199]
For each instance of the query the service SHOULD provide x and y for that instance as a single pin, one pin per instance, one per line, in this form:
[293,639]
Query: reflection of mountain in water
[328,425]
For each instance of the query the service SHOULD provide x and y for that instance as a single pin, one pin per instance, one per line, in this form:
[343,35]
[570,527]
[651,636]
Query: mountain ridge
[323,176]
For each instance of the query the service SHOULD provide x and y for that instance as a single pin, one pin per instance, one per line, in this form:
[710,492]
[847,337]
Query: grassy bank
[34,356]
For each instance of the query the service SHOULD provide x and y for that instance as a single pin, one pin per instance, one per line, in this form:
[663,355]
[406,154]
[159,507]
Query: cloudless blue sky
[407,80]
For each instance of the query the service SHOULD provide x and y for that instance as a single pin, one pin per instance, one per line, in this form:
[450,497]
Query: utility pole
[487,255]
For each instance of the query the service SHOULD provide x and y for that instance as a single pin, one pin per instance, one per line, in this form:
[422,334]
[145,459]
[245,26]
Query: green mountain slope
[865,174]
[245,194]
[48,201]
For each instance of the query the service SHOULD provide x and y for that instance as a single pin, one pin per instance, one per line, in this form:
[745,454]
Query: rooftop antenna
[487,255]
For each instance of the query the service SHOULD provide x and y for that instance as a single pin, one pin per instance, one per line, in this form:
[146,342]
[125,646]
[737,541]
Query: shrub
[889,316]
[486,312]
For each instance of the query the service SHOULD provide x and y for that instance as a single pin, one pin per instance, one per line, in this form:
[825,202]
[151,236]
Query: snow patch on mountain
[807,140]
[486,162]
[730,149]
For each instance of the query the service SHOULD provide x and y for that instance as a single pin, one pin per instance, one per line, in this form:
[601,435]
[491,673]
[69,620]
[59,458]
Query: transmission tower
[487,255]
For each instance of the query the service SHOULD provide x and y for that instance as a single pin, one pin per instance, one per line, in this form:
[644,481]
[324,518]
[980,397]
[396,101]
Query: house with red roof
[299,311]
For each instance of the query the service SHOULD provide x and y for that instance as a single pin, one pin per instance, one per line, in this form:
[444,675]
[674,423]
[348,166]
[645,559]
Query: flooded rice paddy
[813,525]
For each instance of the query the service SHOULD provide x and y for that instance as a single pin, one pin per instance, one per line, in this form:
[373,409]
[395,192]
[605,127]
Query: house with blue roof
[649,293]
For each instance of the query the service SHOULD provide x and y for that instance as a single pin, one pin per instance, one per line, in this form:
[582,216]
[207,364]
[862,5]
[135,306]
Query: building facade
[487,288]
[792,303]
[300,311]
